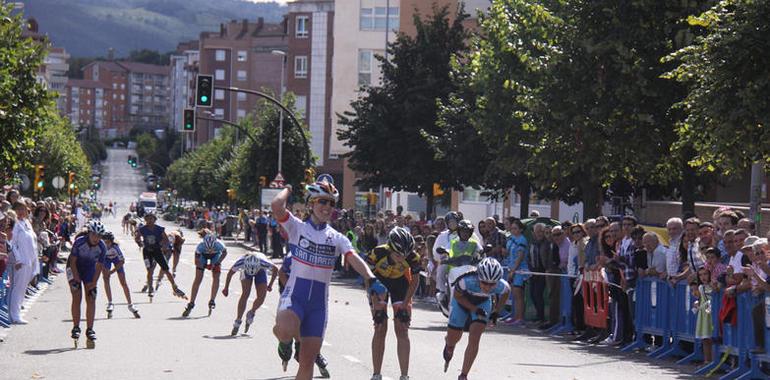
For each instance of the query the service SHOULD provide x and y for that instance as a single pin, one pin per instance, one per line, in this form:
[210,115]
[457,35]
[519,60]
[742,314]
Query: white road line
[351,358]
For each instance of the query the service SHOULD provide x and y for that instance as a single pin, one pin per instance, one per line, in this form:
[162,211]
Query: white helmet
[96,227]
[321,189]
[489,270]
[251,265]
[209,241]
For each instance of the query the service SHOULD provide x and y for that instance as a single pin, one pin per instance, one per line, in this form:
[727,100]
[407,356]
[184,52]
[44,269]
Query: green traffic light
[204,98]
[40,184]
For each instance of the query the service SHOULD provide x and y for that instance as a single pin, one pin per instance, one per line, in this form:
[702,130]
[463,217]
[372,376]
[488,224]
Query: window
[219,55]
[219,113]
[241,113]
[241,96]
[122,86]
[242,55]
[122,97]
[301,104]
[115,86]
[241,75]
[219,94]
[375,15]
[365,58]
[300,28]
[300,66]
[219,74]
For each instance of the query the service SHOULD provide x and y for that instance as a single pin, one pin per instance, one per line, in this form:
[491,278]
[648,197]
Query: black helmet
[452,215]
[401,241]
[108,236]
[465,225]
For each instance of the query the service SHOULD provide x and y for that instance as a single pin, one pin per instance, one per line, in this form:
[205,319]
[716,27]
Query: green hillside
[87,28]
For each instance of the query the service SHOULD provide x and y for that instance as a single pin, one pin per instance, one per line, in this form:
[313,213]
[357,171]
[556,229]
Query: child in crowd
[715,267]
[704,326]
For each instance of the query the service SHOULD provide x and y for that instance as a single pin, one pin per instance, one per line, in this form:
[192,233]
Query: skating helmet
[96,227]
[489,270]
[465,225]
[401,241]
[321,189]
[251,265]
[209,241]
[108,236]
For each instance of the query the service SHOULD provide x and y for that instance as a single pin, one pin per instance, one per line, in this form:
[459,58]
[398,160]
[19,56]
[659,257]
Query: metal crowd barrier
[5,318]
[565,308]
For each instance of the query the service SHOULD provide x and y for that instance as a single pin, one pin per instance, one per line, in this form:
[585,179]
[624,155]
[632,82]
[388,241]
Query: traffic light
[263,181]
[189,120]
[71,182]
[203,90]
[309,175]
[230,194]
[39,178]
[437,190]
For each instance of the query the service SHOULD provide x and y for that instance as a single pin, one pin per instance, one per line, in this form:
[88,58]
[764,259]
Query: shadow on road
[227,337]
[180,318]
[48,352]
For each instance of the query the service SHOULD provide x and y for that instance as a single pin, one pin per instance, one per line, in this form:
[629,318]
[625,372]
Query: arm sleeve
[344,246]
[291,224]
[238,264]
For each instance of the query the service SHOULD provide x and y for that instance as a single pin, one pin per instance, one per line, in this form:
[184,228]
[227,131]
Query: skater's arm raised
[278,205]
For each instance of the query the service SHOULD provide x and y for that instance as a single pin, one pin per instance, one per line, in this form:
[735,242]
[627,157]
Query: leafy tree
[727,71]
[152,57]
[391,127]
[23,100]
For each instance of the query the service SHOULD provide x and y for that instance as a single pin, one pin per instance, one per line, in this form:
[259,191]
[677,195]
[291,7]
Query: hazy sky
[267,1]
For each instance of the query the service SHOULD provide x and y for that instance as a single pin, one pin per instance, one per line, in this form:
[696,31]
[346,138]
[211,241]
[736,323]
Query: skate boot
[134,310]
[249,320]
[110,308]
[284,352]
[179,293]
[321,362]
[462,377]
[236,326]
[212,306]
[188,309]
[376,377]
[75,334]
[150,293]
[90,338]
[447,356]
[404,377]
[144,288]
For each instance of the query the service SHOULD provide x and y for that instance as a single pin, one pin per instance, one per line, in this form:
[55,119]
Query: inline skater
[83,268]
[208,255]
[114,256]
[465,244]
[253,270]
[283,276]
[472,309]
[176,240]
[153,241]
[395,264]
[314,246]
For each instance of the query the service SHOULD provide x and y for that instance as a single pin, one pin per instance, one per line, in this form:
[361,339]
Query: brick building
[310,26]
[239,55]
[86,103]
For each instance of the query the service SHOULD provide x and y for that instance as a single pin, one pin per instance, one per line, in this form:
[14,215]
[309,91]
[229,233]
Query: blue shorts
[108,263]
[461,318]
[210,262]
[259,278]
[87,273]
[308,300]
[519,280]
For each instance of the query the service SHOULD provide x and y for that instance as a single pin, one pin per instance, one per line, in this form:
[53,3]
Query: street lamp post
[282,54]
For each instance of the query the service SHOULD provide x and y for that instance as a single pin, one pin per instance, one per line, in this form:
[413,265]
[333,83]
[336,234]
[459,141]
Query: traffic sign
[278,181]
[58,182]
[325,178]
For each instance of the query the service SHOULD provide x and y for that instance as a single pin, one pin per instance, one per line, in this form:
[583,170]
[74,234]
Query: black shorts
[397,289]
[152,256]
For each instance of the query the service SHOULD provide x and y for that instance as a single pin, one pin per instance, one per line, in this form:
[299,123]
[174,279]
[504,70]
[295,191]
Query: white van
[148,201]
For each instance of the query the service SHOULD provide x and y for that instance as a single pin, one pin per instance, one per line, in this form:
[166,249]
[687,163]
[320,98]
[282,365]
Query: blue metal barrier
[5,318]
[736,339]
[565,308]
[758,358]
[651,314]
[682,324]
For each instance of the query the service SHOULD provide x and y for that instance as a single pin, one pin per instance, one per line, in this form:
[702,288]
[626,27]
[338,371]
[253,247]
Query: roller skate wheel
[90,344]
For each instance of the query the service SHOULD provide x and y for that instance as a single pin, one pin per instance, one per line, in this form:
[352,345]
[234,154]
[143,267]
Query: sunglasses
[576,232]
[488,283]
[326,202]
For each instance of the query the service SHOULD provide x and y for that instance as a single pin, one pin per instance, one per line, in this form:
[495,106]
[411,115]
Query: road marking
[351,358]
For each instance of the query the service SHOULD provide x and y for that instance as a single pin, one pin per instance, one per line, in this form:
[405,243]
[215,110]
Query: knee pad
[380,316]
[403,316]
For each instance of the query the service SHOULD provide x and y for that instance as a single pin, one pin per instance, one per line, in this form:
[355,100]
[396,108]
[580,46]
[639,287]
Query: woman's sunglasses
[325,202]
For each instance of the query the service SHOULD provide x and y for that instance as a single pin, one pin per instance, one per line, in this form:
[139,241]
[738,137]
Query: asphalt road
[163,345]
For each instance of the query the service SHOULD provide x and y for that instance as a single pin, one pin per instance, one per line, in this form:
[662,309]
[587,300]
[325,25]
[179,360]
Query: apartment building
[368,26]
[240,55]
[310,26]
[53,72]
[87,104]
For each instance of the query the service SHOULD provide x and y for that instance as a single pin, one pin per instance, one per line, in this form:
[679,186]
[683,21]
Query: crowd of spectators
[32,235]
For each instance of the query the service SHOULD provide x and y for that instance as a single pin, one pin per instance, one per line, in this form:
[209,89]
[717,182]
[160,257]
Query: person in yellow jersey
[397,266]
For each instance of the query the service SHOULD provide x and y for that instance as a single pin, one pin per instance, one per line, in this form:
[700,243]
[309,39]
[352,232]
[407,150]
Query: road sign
[268,195]
[278,181]
[325,178]
[58,182]
[25,182]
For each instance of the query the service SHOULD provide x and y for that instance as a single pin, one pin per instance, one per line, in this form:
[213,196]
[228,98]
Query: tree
[727,72]
[23,100]
[390,127]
